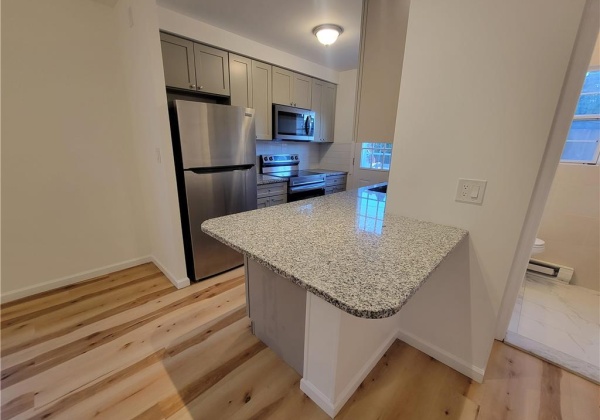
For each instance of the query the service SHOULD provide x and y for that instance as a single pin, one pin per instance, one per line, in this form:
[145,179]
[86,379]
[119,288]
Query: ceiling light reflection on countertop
[327,34]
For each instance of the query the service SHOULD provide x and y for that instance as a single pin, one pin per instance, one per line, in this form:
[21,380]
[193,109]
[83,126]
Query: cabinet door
[278,199]
[301,91]
[178,62]
[262,100]
[328,111]
[212,70]
[240,80]
[316,102]
[283,86]
[261,203]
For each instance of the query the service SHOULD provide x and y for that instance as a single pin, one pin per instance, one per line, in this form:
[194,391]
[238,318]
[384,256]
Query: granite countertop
[342,248]
[267,179]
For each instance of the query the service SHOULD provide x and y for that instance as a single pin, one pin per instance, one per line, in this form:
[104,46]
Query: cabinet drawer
[271,189]
[335,180]
[339,189]
[328,190]
[278,199]
[261,203]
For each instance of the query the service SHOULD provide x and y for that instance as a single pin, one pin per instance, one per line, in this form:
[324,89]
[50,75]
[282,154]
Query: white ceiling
[284,24]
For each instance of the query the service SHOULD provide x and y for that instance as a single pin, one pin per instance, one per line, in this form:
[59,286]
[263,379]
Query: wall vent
[549,270]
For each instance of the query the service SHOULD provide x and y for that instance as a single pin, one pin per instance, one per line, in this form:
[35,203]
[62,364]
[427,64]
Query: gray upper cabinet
[178,61]
[283,85]
[240,80]
[323,103]
[291,88]
[302,91]
[212,70]
[262,99]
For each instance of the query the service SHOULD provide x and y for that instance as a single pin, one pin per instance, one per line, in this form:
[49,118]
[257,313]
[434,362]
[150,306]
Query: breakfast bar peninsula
[326,279]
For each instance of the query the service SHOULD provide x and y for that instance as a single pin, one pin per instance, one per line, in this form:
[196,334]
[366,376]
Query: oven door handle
[308,187]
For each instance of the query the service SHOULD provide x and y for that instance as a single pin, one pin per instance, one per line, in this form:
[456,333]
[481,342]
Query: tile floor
[560,323]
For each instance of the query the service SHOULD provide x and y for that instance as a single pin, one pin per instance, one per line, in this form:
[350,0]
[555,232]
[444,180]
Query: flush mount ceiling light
[327,34]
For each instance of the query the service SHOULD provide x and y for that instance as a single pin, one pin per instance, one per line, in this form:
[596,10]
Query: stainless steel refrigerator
[215,159]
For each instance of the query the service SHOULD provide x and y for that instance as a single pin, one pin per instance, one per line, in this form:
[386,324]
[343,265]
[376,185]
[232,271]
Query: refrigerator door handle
[221,169]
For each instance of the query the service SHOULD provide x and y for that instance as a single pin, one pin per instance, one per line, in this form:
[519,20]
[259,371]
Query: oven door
[302,192]
[291,123]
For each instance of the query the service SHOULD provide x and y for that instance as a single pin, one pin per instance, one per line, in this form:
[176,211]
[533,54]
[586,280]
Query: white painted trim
[178,283]
[318,397]
[474,372]
[360,376]
[574,77]
[72,279]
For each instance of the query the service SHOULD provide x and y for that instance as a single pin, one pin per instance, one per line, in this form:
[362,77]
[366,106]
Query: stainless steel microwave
[290,123]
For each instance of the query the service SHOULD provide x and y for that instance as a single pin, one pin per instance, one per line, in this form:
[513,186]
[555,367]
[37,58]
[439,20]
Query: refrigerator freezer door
[214,194]
[215,135]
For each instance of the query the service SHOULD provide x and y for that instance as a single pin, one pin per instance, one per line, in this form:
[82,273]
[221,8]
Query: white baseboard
[178,283]
[318,397]
[332,408]
[474,372]
[75,278]
[360,376]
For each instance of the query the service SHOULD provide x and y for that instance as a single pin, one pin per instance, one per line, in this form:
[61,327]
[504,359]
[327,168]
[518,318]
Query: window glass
[376,156]
[583,141]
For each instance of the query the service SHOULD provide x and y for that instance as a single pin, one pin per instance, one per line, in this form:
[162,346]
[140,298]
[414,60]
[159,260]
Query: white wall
[70,187]
[491,75]
[151,135]
[200,31]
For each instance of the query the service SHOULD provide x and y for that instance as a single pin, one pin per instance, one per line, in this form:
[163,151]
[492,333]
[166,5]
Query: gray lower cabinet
[271,194]
[192,66]
[335,183]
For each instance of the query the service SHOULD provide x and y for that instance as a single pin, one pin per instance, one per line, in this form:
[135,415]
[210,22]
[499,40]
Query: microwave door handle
[308,122]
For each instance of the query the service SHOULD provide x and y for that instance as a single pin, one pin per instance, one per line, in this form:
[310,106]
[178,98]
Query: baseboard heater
[549,270]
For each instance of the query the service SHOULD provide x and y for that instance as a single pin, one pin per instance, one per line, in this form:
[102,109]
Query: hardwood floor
[129,345]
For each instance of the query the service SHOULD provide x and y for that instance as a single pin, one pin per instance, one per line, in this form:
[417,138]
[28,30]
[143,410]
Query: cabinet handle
[201,87]
[193,86]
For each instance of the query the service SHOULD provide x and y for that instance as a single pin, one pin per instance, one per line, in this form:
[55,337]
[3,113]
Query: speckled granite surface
[342,248]
[267,179]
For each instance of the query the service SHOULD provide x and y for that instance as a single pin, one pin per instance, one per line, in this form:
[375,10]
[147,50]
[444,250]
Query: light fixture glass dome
[327,34]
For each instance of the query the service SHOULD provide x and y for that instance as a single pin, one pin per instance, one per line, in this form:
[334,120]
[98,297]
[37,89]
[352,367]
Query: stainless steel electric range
[302,184]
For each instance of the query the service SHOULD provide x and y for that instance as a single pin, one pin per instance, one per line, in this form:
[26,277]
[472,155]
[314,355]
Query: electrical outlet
[470,191]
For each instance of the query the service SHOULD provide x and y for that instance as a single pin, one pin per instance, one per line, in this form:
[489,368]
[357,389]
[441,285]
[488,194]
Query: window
[376,156]
[583,141]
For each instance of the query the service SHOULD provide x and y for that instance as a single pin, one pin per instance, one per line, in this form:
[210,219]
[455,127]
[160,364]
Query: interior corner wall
[142,59]
[179,24]
[480,87]
[70,200]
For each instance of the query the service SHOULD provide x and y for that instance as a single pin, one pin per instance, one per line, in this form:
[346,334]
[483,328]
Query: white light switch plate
[470,191]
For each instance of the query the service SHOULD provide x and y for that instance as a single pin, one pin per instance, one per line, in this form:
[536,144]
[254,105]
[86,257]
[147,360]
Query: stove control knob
[265,158]
[296,157]
[270,157]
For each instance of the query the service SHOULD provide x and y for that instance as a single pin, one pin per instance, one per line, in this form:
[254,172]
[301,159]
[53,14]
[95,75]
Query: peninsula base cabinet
[271,194]
[332,350]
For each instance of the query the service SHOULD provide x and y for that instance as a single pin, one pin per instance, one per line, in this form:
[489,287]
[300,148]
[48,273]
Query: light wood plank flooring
[130,346]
